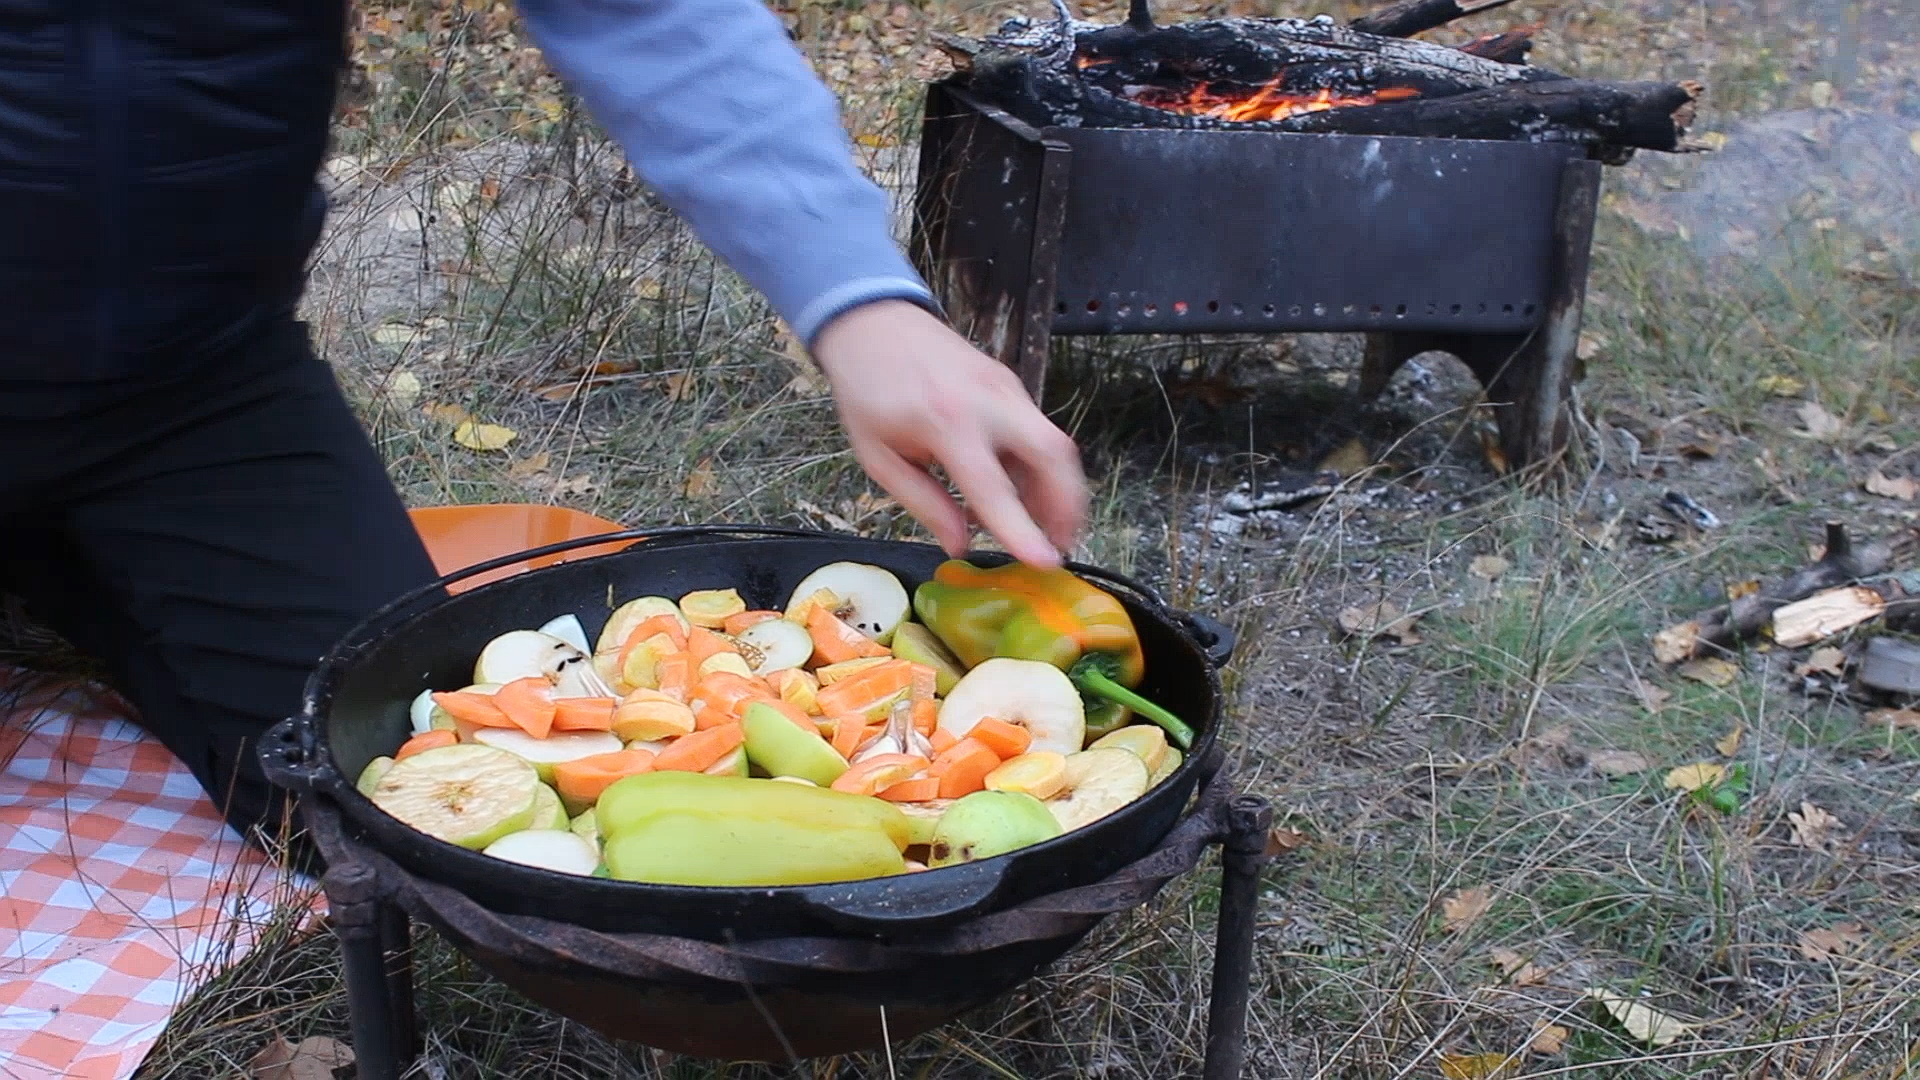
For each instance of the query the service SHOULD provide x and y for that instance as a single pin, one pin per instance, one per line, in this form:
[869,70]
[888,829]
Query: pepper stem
[1094,681]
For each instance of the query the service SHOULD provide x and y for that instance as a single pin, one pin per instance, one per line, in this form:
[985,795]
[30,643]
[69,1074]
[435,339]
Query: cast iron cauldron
[356,708]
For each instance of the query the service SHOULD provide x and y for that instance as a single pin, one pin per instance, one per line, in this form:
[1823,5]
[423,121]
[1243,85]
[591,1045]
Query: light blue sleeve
[722,116]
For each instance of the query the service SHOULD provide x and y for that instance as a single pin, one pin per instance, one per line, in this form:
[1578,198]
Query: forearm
[722,116]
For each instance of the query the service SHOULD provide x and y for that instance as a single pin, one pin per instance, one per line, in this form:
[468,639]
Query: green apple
[913,641]
[465,794]
[782,748]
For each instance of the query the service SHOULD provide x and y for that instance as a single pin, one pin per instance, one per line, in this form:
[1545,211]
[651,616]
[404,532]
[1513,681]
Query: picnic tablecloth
[121,888]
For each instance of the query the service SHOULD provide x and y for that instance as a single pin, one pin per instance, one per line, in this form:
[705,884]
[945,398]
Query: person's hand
[912,393]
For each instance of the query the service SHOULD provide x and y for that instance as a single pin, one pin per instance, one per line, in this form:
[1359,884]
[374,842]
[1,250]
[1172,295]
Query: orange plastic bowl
[461,536]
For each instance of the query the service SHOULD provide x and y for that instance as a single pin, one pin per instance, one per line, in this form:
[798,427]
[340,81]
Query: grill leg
[396,942]
[1250,818]
[353,900]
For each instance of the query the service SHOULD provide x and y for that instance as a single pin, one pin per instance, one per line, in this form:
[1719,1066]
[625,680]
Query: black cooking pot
[356,709]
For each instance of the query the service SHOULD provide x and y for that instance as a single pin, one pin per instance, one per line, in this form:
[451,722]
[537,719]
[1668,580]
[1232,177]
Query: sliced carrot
[878,773]
[529,704]
[848,733]
[426,740]
[583,713]
[918,789]
[835,642]
[656,624]
[700,750]
[473,709]
[736,623]
[963,767]
[729,691]
[1004,739]
[791,711]
[581,781]
[702,643]
[942,739]
[926,717]
[870,692]
[709,715]
[675,675]
[925,682]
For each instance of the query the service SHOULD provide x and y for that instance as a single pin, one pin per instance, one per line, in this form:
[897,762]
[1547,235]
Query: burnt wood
[1508,47]
[1411,17]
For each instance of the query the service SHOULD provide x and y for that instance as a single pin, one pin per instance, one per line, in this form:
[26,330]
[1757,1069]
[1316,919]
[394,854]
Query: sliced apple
[780,644]
[1098,783]
[1031,693]
[463,794]
[1149,741]
[778,745]
[631,614]
[712,608]
[724,661]
[370,776]
[913,641]
[543,754]
[735,763]
[568,629]
[420,712]
[870,598]
[558,850]
[523,654]
[548,813]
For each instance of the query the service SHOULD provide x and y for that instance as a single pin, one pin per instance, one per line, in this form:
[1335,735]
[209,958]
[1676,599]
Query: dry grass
[549,295]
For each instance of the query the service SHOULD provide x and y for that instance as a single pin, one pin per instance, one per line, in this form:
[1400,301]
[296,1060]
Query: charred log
[1410,17]
[1508,47]
[1650,116]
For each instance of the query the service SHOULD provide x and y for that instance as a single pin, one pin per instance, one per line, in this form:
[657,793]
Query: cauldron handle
[908,900]
[290,755]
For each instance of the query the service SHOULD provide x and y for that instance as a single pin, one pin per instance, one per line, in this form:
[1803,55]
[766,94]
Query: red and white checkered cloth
[121,889]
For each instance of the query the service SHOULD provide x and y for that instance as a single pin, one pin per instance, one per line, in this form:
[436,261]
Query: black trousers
[209,532]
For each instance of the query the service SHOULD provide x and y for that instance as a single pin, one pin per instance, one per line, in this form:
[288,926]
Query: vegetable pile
[700,742]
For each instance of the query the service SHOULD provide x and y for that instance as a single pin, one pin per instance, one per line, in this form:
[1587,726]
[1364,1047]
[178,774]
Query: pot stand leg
[353,898]
[396,942]
[1249,819]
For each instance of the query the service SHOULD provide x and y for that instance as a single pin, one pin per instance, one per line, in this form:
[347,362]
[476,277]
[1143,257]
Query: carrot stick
[736,623]
[581,781]
[583,714]
[925,682]
[834,641]
[529,704]
[942,739]
[849,731]
[1004,739]
[674,673]
[918,789]
[426,740]
[963,767]
[657,624]
[729,691]
[868,692]
[926,717]
[473,709]
[700,750]
[876,773]
[702,643]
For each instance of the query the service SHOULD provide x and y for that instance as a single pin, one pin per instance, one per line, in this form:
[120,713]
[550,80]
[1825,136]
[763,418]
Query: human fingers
[924,497]
[1045,463]
[992,498]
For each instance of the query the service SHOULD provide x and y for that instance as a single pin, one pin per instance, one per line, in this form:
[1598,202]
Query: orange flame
[1267,103]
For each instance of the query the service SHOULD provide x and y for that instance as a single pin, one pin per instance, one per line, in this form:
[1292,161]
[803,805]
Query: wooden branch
[1410,17]
[1729,624]
[1650,116]
[1508,47]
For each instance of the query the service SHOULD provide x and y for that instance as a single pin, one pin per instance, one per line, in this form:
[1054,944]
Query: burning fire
[1268,102]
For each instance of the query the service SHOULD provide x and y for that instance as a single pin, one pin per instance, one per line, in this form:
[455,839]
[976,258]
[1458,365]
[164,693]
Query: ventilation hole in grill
[1432,308]
[1293,312]
[1267,310]
[1528,310]
[1125,310]
[1093,305]
[1400,310]
[1179,307]
[1374,311]
[1060,308]
[1239,309]
[1319,310]
[1348,310]
[1506,309]
[1214,305]
[1150,310]
[1483,308]
[1454,310]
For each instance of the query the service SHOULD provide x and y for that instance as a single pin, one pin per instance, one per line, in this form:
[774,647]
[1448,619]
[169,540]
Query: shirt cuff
[841,299]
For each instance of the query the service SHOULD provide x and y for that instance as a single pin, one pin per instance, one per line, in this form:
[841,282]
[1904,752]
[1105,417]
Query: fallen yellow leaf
[1818,422]
[476,436]
[1781,385]
[1904,488]
[1695,777]
[1825,660]
[1477,1066]
[402,390]
[1378,620]
[679,386]
[1618,763]
[1897,719]
[1710,670]
[1825,943]
[1642,1021]
[1518,970]
[1465,907]
[442,413]
[530,466]
[1653,698]
[1487,567]
[700,481]
[1729,744]
[1548,1039]
[1813,828]
[1677,642]
[1350,458]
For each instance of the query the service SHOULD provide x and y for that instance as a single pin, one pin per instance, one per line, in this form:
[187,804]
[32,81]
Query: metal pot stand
[373,903]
